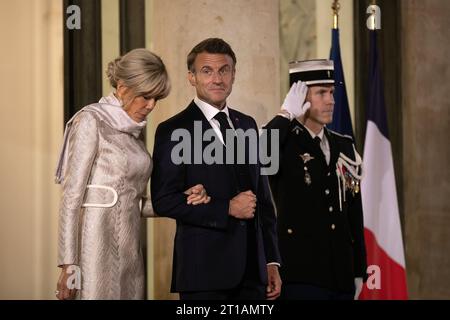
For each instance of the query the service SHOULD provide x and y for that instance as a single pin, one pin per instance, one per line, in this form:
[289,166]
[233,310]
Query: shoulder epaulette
[341,135]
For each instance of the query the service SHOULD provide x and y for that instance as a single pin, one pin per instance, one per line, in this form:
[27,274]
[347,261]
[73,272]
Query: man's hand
[243,205]
[197,195]
[294,103]
[274,282]
[62,290]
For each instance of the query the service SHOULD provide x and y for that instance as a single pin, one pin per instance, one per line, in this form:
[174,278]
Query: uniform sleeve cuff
[274,264]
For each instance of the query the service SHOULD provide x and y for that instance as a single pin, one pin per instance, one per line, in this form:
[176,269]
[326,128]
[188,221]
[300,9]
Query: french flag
[382,230]
[342,122]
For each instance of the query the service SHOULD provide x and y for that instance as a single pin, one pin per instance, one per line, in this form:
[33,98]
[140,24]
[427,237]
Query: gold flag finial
[336,7]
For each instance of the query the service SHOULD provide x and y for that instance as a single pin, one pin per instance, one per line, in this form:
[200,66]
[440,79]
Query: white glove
[358,287]
[294,103]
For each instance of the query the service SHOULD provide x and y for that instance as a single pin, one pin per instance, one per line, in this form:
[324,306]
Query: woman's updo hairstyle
[142,71]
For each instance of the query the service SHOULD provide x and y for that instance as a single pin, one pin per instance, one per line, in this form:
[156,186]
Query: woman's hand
[63,292]
[197,195]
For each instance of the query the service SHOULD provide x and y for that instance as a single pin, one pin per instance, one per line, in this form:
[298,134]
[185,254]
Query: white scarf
[109,110]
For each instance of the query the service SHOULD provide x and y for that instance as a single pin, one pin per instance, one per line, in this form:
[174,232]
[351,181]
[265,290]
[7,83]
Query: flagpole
[336,7]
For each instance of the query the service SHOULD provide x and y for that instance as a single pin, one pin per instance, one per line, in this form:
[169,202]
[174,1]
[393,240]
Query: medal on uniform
[349,174]
[351,183]
[356,187]
[306,157]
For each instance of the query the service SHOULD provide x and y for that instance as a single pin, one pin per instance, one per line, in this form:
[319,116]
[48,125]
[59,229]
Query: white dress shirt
[210,112]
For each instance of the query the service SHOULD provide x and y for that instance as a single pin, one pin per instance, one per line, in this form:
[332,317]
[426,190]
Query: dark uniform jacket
[320,244]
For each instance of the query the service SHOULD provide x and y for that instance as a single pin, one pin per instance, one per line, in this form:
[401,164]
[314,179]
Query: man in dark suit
[227,248]
[316,192]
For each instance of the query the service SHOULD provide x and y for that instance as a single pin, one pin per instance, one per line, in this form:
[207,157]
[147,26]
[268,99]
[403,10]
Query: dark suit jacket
[210,246]
[319,244]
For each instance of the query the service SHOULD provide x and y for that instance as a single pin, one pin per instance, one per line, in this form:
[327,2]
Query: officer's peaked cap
[320,71]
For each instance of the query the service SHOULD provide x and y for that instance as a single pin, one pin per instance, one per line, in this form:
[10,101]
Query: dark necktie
[317,141]
[224,124]
[241,171]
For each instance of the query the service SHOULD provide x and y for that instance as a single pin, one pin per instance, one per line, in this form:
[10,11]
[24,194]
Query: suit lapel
[197,115]
[240,123]
[235,119]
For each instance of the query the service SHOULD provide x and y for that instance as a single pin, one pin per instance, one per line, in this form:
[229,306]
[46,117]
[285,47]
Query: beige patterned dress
[104,170]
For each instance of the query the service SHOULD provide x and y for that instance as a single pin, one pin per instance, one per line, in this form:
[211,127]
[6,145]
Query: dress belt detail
[101,205]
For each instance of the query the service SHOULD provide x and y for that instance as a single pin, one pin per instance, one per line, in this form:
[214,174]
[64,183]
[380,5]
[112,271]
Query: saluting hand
[294,103]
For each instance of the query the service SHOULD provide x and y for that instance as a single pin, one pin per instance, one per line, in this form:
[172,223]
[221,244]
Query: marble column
[426,110]
[298,36]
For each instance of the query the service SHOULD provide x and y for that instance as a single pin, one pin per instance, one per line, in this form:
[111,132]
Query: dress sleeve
[82,151]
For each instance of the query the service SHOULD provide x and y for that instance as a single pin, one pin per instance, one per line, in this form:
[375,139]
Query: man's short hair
[210,45]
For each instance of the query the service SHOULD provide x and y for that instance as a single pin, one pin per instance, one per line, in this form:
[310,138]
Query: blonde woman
[104,169]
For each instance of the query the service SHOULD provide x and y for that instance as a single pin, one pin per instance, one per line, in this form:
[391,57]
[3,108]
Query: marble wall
[298,35]
[31,129]
[426,127]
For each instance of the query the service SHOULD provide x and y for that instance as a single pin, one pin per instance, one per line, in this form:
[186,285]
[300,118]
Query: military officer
[316,192]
